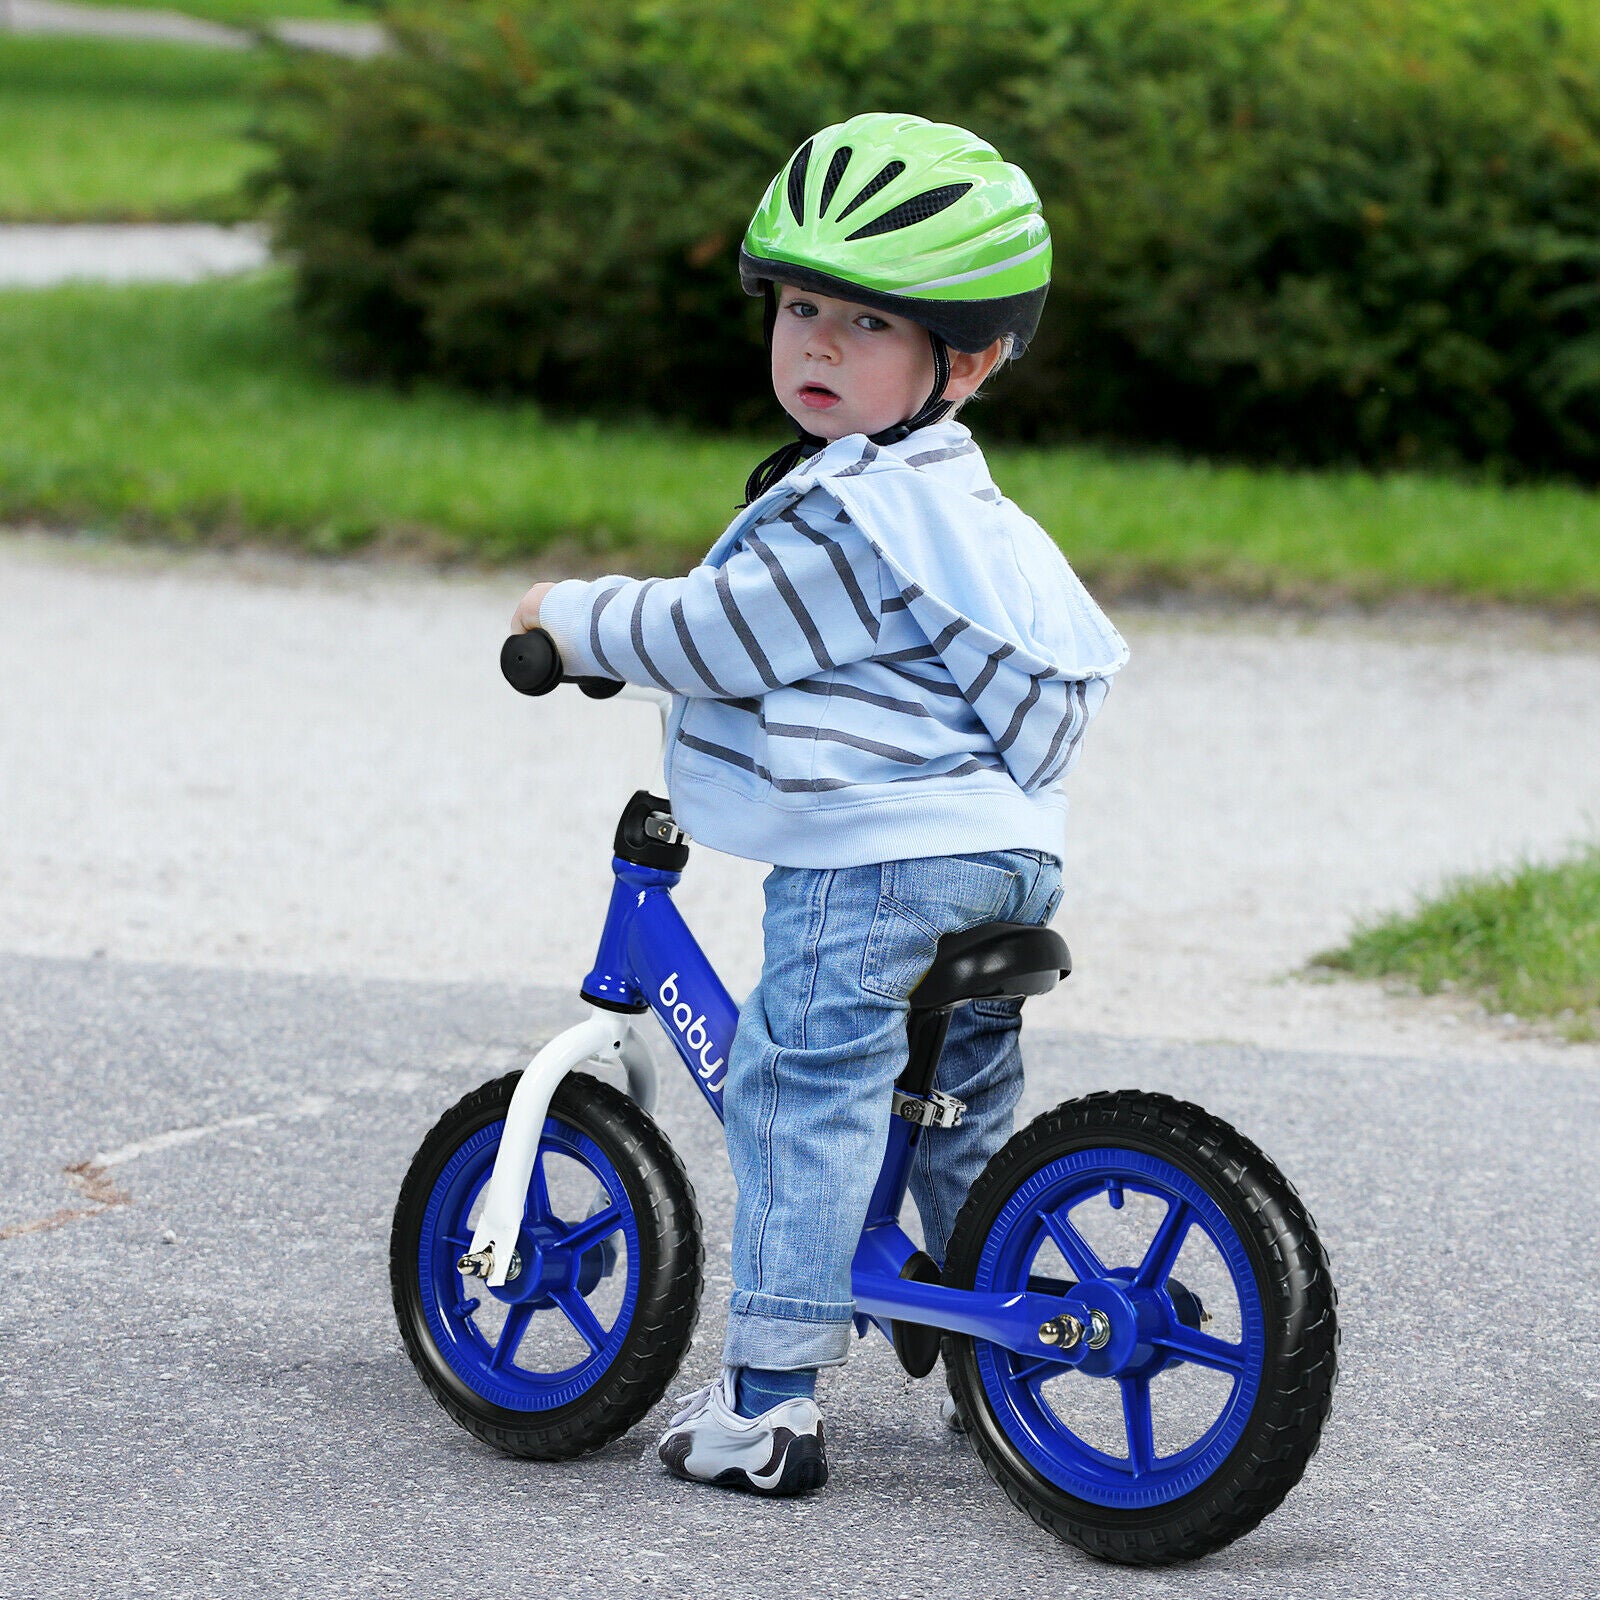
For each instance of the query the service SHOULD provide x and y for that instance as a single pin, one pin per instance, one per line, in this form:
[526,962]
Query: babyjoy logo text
[692,1027]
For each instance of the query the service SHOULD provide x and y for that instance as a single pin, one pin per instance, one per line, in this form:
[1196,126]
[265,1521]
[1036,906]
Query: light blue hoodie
[882,657]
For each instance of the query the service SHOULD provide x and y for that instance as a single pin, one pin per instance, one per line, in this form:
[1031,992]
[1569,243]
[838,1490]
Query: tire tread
[1298,1295]
[670,1273]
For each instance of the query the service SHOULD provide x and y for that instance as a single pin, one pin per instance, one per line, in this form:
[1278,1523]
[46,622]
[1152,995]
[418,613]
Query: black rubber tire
[671,1261]
[1297,1294]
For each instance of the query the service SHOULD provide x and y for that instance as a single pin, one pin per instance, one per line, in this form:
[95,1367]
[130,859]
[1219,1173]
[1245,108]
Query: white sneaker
[778,1453]
[950,1415]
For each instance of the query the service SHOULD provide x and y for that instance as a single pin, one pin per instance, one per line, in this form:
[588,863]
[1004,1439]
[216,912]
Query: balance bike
[1135,1313]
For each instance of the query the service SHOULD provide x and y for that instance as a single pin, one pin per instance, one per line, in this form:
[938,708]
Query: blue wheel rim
[1037,1215]
[553,1244]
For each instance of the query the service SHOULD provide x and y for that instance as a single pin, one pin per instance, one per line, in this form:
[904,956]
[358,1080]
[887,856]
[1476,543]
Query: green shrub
[1308,231]
[1345,235]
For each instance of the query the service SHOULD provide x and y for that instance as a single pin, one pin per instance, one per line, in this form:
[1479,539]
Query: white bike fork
[608,1036]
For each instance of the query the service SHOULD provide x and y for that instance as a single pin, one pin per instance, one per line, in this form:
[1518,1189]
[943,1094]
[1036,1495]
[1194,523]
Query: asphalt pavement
[202,1392]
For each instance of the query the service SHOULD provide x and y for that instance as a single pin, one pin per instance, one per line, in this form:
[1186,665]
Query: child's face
[840,368]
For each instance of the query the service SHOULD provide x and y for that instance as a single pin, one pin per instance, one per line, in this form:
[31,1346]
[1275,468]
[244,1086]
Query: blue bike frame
[648,955]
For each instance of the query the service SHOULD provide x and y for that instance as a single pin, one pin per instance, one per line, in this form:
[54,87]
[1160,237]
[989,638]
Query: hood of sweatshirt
[996,598]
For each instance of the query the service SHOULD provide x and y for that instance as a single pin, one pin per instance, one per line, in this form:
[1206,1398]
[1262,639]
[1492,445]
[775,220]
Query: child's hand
[526,617]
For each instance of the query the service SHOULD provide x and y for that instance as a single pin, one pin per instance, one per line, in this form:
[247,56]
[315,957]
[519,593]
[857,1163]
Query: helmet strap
[934,407]
[786,457]
[779,464]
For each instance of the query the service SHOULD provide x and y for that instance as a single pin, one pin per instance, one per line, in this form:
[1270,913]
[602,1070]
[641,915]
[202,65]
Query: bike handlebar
[531,665]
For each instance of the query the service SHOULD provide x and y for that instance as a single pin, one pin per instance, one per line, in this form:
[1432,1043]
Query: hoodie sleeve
[800,593]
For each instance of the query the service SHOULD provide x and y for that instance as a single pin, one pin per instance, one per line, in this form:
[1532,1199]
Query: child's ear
[969,368]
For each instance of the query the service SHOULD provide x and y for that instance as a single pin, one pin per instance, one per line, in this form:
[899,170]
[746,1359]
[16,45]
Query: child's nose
[822,341]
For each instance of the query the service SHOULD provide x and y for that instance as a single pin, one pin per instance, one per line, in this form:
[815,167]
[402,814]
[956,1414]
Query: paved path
[202,1393]
[257,763]
[256,814]
[34,255]
[357,39]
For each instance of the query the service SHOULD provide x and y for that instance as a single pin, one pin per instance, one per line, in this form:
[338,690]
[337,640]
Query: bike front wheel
[583,1341]
[1207,1371]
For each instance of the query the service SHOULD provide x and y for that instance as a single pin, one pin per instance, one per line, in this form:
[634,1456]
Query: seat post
[925,1034]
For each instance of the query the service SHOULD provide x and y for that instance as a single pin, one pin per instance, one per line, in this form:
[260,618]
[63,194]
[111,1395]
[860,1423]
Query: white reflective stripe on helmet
[980,272]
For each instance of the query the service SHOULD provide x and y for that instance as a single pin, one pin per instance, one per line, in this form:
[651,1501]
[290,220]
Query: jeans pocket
[1004,1010]
[1051,909]
[918,900]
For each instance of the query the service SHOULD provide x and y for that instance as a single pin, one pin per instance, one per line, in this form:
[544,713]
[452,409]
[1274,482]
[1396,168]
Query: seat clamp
[934,1110]
[661,827]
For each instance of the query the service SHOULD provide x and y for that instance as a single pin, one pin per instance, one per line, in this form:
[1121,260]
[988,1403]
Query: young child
[883,670]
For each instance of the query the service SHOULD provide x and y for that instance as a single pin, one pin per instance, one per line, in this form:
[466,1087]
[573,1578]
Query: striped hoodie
[881,657]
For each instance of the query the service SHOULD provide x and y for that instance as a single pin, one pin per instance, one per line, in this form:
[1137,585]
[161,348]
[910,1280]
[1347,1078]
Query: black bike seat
[993,960]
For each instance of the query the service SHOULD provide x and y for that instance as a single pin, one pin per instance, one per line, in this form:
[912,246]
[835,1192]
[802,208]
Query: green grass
[108,130]
[1285,535]
[192,411]
[1525,941]
[195,412]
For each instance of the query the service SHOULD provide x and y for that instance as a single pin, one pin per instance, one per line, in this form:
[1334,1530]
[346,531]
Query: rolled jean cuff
[786,1335]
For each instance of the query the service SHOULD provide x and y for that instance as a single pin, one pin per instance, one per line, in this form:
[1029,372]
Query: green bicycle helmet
[920,219]
[917,218]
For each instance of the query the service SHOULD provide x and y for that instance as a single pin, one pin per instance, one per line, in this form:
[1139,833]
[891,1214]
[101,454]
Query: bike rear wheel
[1206,1398]
[584,1340]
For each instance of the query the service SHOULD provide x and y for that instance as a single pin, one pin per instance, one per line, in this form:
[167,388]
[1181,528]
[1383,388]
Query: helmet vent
[797,181]
[918,209]
[841,160]
[887,176]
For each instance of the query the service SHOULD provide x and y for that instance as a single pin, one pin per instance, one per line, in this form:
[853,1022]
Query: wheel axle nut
[1099,1330]
[480,1263]
[1063,1332]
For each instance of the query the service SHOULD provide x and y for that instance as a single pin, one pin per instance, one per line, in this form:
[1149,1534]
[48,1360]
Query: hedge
[1303,232]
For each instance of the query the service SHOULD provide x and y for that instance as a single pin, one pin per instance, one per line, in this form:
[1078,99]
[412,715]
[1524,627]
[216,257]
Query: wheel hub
[1113,1315]
[543,1269]
[1111,1324]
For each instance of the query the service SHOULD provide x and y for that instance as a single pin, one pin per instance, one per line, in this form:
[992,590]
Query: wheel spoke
[1164,1247]
[590,1231]
[1072,1244]
[460,1243]
[1189,1344]
[580,1316]
[505,1347]
[537,1208]
[1136,1417]
[1032,1370]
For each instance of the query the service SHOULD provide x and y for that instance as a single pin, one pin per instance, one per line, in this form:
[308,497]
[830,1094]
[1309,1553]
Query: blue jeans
[811,1074]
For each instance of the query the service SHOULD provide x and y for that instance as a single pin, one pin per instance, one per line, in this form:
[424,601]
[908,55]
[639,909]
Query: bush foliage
[1286,229]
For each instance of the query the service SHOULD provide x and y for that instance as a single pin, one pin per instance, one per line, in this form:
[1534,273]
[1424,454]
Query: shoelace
[691,1405]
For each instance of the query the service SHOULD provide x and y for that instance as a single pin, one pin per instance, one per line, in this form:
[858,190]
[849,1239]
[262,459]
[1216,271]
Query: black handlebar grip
[531,666]
[530,663]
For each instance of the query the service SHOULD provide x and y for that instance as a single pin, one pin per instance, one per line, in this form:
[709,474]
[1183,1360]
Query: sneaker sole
[804,1469]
